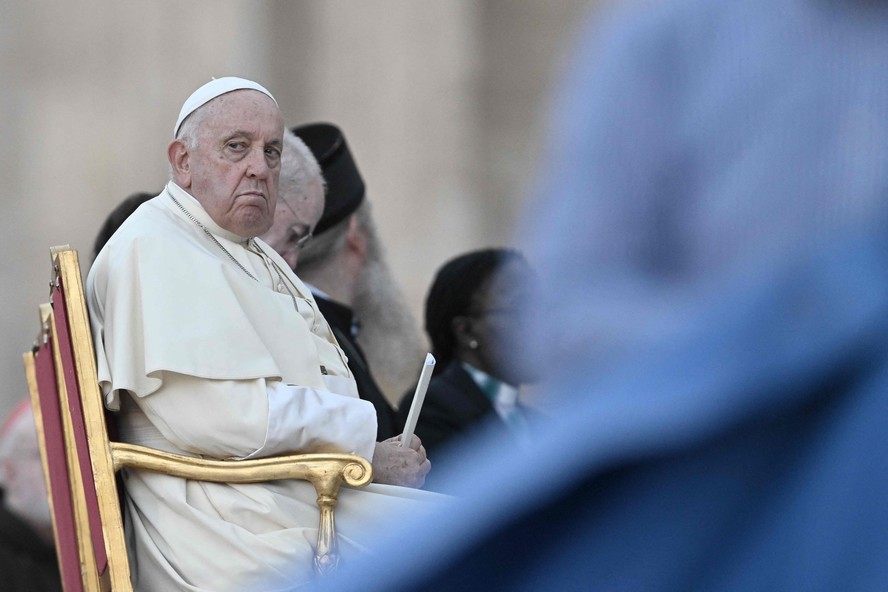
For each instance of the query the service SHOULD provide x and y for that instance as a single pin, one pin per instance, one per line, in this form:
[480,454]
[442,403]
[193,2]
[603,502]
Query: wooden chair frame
[80,466]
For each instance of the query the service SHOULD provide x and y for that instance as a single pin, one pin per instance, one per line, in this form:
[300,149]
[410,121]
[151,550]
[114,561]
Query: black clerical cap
[345,188]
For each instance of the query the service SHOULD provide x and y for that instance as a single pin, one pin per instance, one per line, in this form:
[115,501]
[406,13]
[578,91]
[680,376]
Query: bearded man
[209,345]
[298,214]
[345,268]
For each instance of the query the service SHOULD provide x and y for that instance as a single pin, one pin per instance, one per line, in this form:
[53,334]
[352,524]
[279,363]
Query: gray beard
[389,334]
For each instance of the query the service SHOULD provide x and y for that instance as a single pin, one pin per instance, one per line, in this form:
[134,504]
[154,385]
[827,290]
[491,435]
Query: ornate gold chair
[80,461]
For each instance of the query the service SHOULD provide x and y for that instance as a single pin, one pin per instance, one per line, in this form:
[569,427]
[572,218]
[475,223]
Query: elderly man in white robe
[209,345]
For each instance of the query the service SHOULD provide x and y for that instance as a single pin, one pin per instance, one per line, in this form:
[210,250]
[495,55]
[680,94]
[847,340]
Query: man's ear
[180,162]
[356,237]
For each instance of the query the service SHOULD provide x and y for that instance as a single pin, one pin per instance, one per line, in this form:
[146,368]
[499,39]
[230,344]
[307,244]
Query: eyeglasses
[302,240]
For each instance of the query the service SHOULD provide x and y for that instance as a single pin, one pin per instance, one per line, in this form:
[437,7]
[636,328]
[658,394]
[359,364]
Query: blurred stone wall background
[443,104]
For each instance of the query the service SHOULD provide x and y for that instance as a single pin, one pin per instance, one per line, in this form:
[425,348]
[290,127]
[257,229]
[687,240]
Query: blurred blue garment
[747,454]
[692,139]
[711,224]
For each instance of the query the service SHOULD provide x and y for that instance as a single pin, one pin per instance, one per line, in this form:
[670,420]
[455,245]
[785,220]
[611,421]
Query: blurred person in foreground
[471,316]
[710,231]
[207,344]
[345,267]
[27,555]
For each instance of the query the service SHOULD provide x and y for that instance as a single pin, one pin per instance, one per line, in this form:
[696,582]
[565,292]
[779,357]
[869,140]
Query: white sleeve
[319,421]
[242,419]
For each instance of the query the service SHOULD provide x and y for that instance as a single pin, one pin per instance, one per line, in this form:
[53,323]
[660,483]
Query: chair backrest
[74,439]
[80,461]
[45,400]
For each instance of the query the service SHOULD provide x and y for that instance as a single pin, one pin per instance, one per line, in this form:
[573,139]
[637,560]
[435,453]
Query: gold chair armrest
[355,471]
[325,471]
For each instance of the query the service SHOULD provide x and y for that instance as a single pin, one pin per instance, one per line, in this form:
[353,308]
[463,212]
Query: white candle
[418,398]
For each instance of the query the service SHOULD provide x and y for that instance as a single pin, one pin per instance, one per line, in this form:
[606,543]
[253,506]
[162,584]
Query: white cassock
[200,358]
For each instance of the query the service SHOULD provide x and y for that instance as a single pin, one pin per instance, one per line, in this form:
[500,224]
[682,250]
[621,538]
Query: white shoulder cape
[166,284]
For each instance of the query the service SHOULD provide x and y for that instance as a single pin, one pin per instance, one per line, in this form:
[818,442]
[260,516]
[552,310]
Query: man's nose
[257,165]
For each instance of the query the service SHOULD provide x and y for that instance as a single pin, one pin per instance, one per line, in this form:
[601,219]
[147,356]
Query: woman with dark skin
[472,317]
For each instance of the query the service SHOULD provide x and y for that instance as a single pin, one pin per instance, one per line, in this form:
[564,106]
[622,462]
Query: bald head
[300,201]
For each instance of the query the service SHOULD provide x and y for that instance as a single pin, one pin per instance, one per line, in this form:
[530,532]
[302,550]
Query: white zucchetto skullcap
[212,89]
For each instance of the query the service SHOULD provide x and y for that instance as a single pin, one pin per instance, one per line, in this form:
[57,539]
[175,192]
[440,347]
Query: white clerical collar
[194,207]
